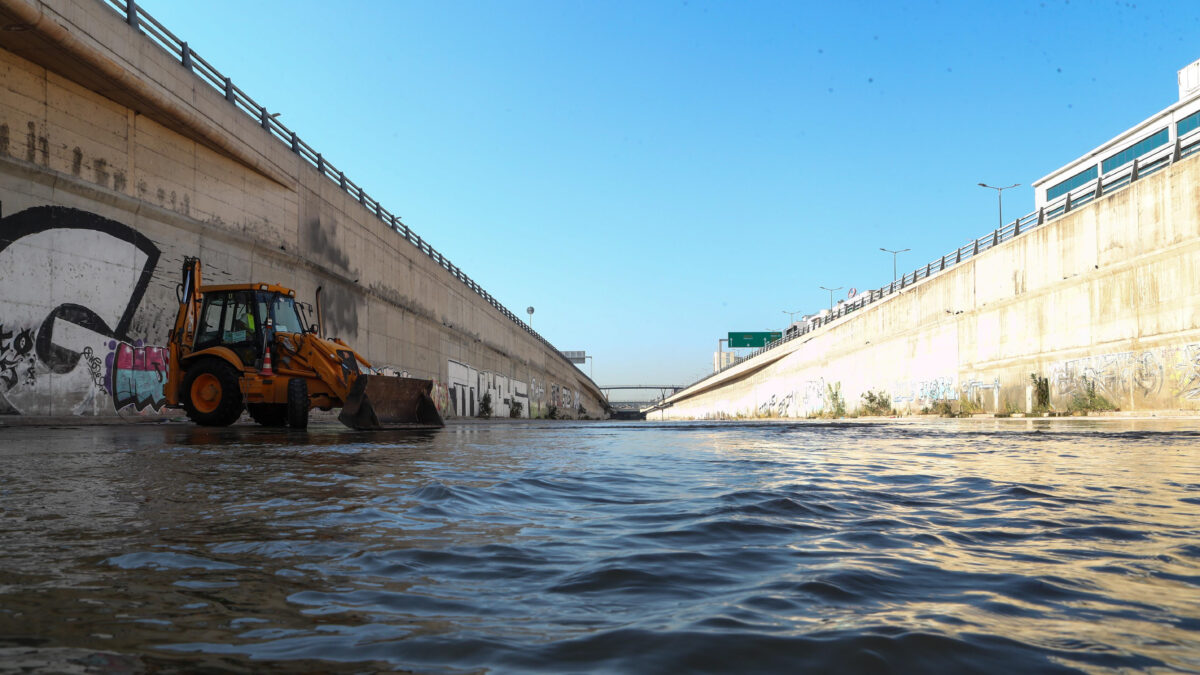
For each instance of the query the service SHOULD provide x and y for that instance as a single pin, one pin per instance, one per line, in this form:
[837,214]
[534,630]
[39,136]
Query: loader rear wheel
[212,396]
[297,403]
[268,414]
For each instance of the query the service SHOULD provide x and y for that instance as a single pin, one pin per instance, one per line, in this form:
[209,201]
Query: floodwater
[946,546]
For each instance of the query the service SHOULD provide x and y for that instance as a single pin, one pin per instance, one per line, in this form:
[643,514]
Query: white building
[722,360]
[1143,148]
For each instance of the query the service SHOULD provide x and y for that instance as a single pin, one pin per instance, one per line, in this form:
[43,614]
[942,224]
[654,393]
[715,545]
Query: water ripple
[559,547]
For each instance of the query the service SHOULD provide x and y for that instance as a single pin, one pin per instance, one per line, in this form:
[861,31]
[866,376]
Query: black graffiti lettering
[8,372]
[24,342]
[61,359]
[94,368]
[58,357]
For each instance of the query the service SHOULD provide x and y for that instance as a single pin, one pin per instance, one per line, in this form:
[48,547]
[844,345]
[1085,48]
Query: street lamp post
[894,254]
[529,311]
[1000,197]
[831,290]
[792,315]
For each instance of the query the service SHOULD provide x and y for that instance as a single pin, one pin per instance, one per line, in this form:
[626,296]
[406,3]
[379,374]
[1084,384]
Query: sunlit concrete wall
[1108,295]
[116,162]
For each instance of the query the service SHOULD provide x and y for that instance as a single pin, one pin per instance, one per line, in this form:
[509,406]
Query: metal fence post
[958,255]
[976,252]
[229,90]
[342,179]
[1017,227]
[320,164]
[1041,215]
[996,238]
[295,143]
[1133,175]
[185,55]
[131,13]
[266,120]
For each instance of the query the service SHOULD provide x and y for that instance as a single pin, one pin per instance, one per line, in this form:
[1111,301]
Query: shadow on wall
[72,281]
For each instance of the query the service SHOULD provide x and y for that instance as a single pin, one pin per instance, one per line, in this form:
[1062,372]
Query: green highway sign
[753,339]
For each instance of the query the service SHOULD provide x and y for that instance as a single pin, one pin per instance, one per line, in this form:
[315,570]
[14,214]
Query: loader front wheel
[212,395]
[297,403]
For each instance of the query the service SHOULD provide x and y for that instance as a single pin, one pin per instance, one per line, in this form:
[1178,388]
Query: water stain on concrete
[320,238]
[30,142]
[341,311]
[100,168]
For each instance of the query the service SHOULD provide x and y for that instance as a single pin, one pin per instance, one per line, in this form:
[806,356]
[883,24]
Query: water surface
[943,546]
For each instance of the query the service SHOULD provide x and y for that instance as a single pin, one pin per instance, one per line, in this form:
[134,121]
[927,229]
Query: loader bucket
[389,402]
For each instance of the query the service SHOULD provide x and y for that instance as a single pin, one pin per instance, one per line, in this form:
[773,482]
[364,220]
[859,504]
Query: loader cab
[241,320]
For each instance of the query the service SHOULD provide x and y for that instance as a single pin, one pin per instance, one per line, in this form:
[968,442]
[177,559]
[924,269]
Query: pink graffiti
[137,375]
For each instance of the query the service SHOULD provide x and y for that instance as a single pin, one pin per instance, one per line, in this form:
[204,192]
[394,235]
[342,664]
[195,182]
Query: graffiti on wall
[1131,376]
[136,375]
[520,395]
[1187,371]
[73,281]
[920,391]
[467,386]
[564,398]
[779,405]
[441,397]
[16,357]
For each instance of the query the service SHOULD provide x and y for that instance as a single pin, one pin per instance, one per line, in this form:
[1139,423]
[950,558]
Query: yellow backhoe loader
[250,347]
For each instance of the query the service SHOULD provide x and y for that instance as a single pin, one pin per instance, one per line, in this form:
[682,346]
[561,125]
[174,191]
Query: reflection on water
[944,546]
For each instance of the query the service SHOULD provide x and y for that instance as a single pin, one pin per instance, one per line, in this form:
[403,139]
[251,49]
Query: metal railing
[1116,179]
[150,27]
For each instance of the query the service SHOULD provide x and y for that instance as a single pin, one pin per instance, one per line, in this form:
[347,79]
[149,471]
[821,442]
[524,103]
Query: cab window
[227,319]
[285,316]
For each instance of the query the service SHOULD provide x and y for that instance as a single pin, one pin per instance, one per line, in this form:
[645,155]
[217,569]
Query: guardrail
[149,26]
[1116,179]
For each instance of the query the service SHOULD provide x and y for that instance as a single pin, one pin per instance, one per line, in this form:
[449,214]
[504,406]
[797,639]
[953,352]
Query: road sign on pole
[753,339]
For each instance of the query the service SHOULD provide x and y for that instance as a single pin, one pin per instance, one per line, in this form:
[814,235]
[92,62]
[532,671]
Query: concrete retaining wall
[116,163]
[1107,297]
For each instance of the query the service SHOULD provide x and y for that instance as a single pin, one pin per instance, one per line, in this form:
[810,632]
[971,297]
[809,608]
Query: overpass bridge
[663,389]
[630,410]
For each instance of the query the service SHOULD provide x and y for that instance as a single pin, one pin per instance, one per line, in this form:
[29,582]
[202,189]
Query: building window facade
[1187,124]
[1157,140]
[1071,183]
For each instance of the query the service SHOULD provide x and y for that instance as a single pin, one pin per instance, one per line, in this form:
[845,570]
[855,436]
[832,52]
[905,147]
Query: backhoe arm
[183,334]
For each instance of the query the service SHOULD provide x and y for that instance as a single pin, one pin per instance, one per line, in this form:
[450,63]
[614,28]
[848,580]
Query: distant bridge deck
[641,386]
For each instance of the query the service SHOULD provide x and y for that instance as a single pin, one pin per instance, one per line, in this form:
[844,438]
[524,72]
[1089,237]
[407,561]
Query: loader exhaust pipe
[320,314]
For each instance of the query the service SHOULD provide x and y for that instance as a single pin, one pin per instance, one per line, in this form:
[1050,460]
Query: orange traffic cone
[266,367]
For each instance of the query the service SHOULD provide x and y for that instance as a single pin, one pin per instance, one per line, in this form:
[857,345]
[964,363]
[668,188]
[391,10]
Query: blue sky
[652,175]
